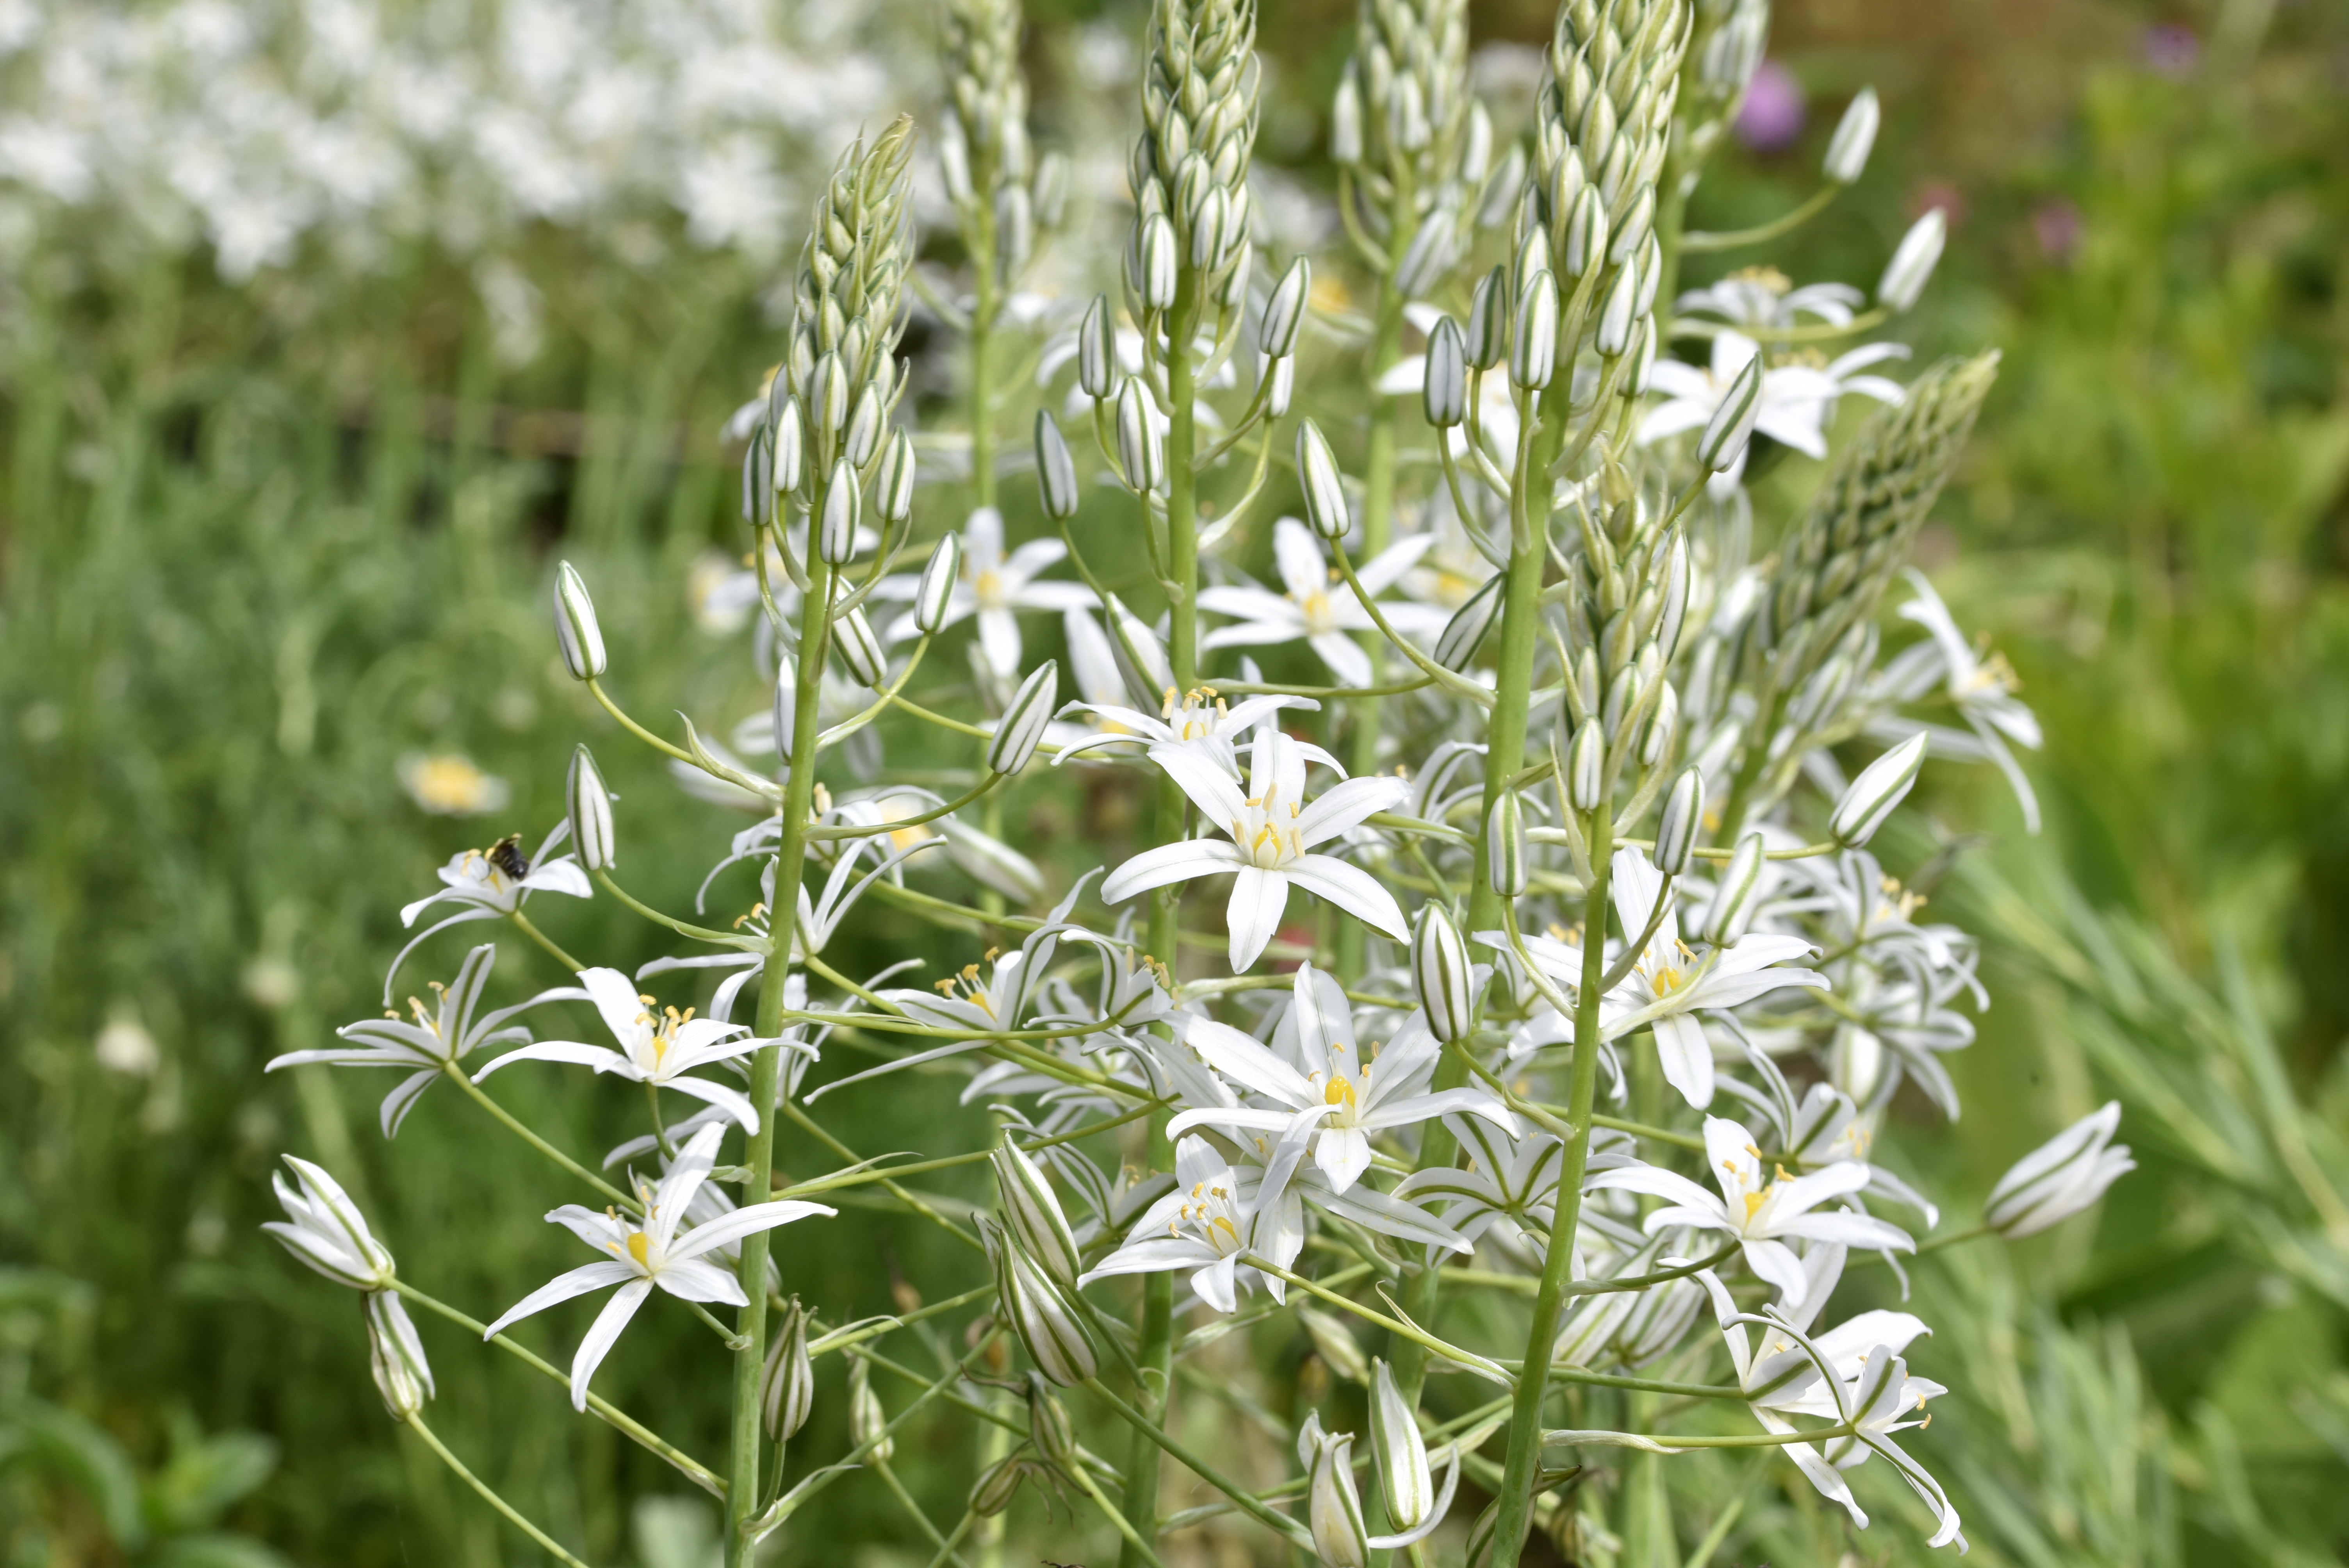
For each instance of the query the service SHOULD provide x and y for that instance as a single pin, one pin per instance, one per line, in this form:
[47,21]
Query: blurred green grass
[259,547]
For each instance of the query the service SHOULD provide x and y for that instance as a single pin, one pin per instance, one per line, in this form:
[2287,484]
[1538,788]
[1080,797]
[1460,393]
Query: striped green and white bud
[1732,425]
[934,594]
[1055,1338]
[788,455]
[1096,359]
[1622,694]
[1854,138]
[1912,264]
[1021,728]
[1619,316]
[894,486]
[1284,314]
[1032,1213]
[1586,767]
[867,1421]
[1445,392]
[1139,451]
[861,654]
[1488,321]
[1334,1508]
[1586,234]
[576,631]
[844,510]
[1505,846]
[1532,357]
[1674,610]
[2061,1178]
[1440,977]
[1399,1452]
[396,1356]
[1325,507]
[1198,101]
[1048,1426]
[1056,470]
[998,1484]
[864,434]
[589,804]
[1141,660]
[1663,719]
[1676,827]
[1882,785]
[1159,262]
[786,703]
[1346,122]
[1737,896]
[1465,631]
[787,1382]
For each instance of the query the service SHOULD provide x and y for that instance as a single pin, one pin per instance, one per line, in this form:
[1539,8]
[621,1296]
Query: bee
[507,856]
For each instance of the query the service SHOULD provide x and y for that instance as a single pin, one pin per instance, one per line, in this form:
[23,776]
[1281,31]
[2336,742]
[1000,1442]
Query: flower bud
[894,486]
[1346,122]
[1465,631]
[1586,234]
[1445,392]
[1335,1343]
[1335,1509]
[1586,767]
[1048,1426]
[1619,316]
[1283,387]
[1636,225]
[1094,356]
[576,632]
[844,506]
[396,1356]
[1399,1452]
[1032,1213]
[1532,358]
[1325,507]
[863,437]
[867,1421]
[787,704]
[1440,977]
[1854,136]
[1737,896]
[996,1485]
[1505,846]
[324,1229]
[861,654]
[1488,321]
[1158,262]
[1663,721]
[1912,264]
[1021,728]
[787,1383]
[1676,829]
[829,393]
[757,481]
[1501,188]
[1879,788]
[1428,260]
[1051,190]
[1407,125]
[1644,359]
[1139,451]
[1284,314]
[1045,1321]
[935,594]
[590,806]
[1056,470]
[1015,228]
[1533,257]
[1732,425]
[2060,1178]
[1207,232]
[790,442]
[1676,596]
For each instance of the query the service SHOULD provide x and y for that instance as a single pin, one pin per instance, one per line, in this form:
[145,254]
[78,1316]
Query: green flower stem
[1133,1540]
[1466,1359]
[857,1333]
[1524,1458]
[905,1500]
[546,1542]
[697,933]
[1820,332]
[693,1470]
[481,1097]
[956,1539]
[1731,239]
[523,924]
[858,831]
[913,1200]
[791,1500]
[1150,1432]
[595,688]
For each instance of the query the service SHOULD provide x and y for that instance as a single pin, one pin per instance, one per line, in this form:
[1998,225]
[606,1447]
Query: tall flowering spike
[992,174]
[1199,118]
[1421,148]
[847,317]
[1725,46]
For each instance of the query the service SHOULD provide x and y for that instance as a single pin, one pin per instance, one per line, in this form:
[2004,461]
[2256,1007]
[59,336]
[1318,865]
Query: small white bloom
[992,586]
[324,1229]
[492,883]
[657,1047]
[1797,400]
[1317,606]
[2060,1178]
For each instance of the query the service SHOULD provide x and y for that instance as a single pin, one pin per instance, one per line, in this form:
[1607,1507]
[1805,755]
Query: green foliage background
[258,545]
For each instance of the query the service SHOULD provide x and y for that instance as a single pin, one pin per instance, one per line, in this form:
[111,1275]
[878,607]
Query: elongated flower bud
[1663,721]
[1488,321]
[1738,895]
[1139,451]
[1854,136]
[830,393]
[590,806]
[934,594]
[867,1421]
[1032,1213]
[757,482]
[1021,728]
[1732,425]
[1325,507]
[1141,659]
[1056,470]
[1284,314]
[1055,1338]
[1401,1453]
[1334,1508]
[1095,358]
[894,486]
[1444,394]
[1465,631]
[324,1229]
[844,509]
[861,653]
[1346,122]
[1336,1344]
[2061,1178]
[576,631]
[1505,846]
[1586,234]
[1440,977]
[1158,262]
[787,704]
[1619,316]
[1048,1426]
[1912,264]
[1881,785]
[998,1484]
[863,437]
[1676,829]
[789,443]
[1676,596]
[1636,226]
[1532,358]
[1586,767]
[1501,189]
[787,1383]
[1622,694]
[1207,232]
[396,1356]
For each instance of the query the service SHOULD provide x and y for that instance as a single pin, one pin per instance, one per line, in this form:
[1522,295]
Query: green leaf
[84,1456]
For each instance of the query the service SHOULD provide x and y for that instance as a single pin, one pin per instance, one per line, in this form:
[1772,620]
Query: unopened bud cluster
[1189,168]
[1004,191]
[1414,140]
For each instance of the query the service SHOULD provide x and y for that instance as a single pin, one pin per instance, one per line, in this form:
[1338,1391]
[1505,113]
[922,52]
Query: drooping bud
[1139,449]
[1854,136]
[2060,1178]
[1334,1508]
[324,1229]
[1737,896]
[844,509]
[1440,977]
[1505,846]
[998,1484]
[1284,314]
[1586,767]
[787,1383]
[1095,358]
[1032,1213]
[1445,392]
[1465,631]
[1048,1426]
[1055,1338]
[1056,470]
[894,486]
[1336,1344]
[590,807]
[1488,320]
[1676,827]
[1732,425]
[861,653]
[1881,785]
[396,1356]
[867,1421]
[1325,507]
[1912,264]
[935,594]
[1532,357]
[576,631]
[1021,728]
[1399,1452]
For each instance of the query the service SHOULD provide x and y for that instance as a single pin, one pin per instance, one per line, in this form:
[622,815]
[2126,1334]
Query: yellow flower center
[640,1248]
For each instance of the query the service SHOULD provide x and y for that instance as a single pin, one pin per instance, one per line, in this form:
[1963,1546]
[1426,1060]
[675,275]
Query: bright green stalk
[982,364]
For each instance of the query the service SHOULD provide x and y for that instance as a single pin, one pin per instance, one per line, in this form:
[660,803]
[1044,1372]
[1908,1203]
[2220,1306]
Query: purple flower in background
[2170,50]
[2056,225]
[1772,116]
